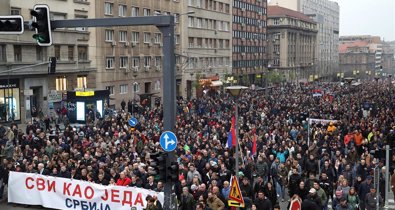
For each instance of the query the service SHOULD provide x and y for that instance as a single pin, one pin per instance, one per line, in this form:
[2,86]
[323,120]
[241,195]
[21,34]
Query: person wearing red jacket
[123,180]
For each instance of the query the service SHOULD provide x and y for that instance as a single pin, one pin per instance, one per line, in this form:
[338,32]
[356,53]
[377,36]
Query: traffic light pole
[166,25]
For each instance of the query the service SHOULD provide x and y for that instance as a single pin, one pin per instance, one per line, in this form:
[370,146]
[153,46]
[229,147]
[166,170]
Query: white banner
[60,193]
[322,121]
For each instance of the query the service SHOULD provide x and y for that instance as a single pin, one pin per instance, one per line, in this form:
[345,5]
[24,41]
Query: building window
[190,2]
[190,21]
[135,11]
[39,53]
[123,36]
[108,8]
[158,38]
[136,87]
[109,35]
[57,52]
[191,42]
[123,62]
[146,12]
[157,85]
[81,17]
[147,37]
[147,61]
[82,53]
[199,23]
[81,82]
[17,52]
[15,11]
[58,16]
[176,18]
[135,62]
[157,61]
[71,53]
[61,84]
[135,36]
[123,89]
[110,89]
[122,10]
[109,63]
[177,39]
[3,57]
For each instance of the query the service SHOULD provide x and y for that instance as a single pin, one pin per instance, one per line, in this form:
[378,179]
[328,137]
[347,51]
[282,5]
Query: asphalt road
[283,205]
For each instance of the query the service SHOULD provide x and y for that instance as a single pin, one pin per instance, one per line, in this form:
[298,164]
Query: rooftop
[277,11]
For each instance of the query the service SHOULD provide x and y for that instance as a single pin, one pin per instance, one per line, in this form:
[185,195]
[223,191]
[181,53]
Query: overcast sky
[368,17]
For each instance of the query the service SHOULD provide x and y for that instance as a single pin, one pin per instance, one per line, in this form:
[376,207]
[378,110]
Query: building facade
[129,59]
[249,41]
[205,51]
[25,85]
[292,43]
[365,57]
[326,14]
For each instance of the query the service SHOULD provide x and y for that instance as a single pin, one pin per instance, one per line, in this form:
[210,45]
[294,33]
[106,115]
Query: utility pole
[165,24]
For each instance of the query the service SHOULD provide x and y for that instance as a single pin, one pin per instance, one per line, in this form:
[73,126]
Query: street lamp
[349,81]
[236,91]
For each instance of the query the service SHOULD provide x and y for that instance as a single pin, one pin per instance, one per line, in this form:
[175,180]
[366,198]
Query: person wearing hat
[312,202]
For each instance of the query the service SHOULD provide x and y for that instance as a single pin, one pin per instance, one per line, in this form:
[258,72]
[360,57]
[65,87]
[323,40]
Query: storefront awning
[216,83]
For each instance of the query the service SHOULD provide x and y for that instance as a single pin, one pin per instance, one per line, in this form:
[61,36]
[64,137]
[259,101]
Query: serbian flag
[254,141]
[232,134]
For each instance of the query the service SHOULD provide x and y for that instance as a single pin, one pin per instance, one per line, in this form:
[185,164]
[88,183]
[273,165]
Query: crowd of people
[294,158]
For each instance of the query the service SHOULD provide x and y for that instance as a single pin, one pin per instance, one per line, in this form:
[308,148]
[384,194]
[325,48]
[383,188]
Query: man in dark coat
[262,202]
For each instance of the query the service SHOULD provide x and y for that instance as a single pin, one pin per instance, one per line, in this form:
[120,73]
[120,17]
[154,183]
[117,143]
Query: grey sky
[367,17]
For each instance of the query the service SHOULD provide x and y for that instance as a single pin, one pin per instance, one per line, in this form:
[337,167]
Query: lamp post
[349,81]
[236,91]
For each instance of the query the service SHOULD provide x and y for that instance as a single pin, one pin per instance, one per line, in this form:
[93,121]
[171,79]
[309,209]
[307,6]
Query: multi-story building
[205,52]
[25,84]
[249,40]
[365,57]
[292,43]
[129,59]
[326,14]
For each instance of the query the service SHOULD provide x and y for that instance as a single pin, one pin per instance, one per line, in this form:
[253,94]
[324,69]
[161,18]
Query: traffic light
[42,24]
[11,24]
[158,165]
[172,172]
[52,65]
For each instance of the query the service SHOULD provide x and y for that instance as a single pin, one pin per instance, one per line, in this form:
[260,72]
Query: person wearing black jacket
[302,191]
[262,202]
[270,193]
[326,185]
[312,202]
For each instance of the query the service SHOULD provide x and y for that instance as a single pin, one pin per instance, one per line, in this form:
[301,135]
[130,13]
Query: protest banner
[61,193]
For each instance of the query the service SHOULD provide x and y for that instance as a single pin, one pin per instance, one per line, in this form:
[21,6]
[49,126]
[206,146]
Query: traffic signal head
[173,172]
[42,25]
[52,65]
[158,165]
[11,24]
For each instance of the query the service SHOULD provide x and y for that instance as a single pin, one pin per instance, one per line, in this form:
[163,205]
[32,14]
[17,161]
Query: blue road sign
[168,141]
[133,122]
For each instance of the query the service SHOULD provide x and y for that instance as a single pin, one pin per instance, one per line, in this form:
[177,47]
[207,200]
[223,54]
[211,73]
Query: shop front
[85,106]
[10,109]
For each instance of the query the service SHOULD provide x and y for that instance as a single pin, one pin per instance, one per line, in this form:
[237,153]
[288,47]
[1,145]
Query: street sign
[168,141]
[235,203]
[133,122]
[235,192]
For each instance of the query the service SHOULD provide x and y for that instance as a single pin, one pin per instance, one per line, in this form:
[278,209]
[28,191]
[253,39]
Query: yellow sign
[87,93]
[235,192]
[235,203]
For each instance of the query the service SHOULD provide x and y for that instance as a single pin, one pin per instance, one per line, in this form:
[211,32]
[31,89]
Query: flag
[232,134]
[254,141]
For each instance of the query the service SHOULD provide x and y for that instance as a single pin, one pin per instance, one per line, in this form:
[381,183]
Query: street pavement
[283,205]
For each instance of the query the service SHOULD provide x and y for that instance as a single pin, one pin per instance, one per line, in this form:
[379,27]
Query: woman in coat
[270,192]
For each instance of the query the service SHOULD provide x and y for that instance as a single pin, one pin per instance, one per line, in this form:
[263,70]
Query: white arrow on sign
[167,142]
